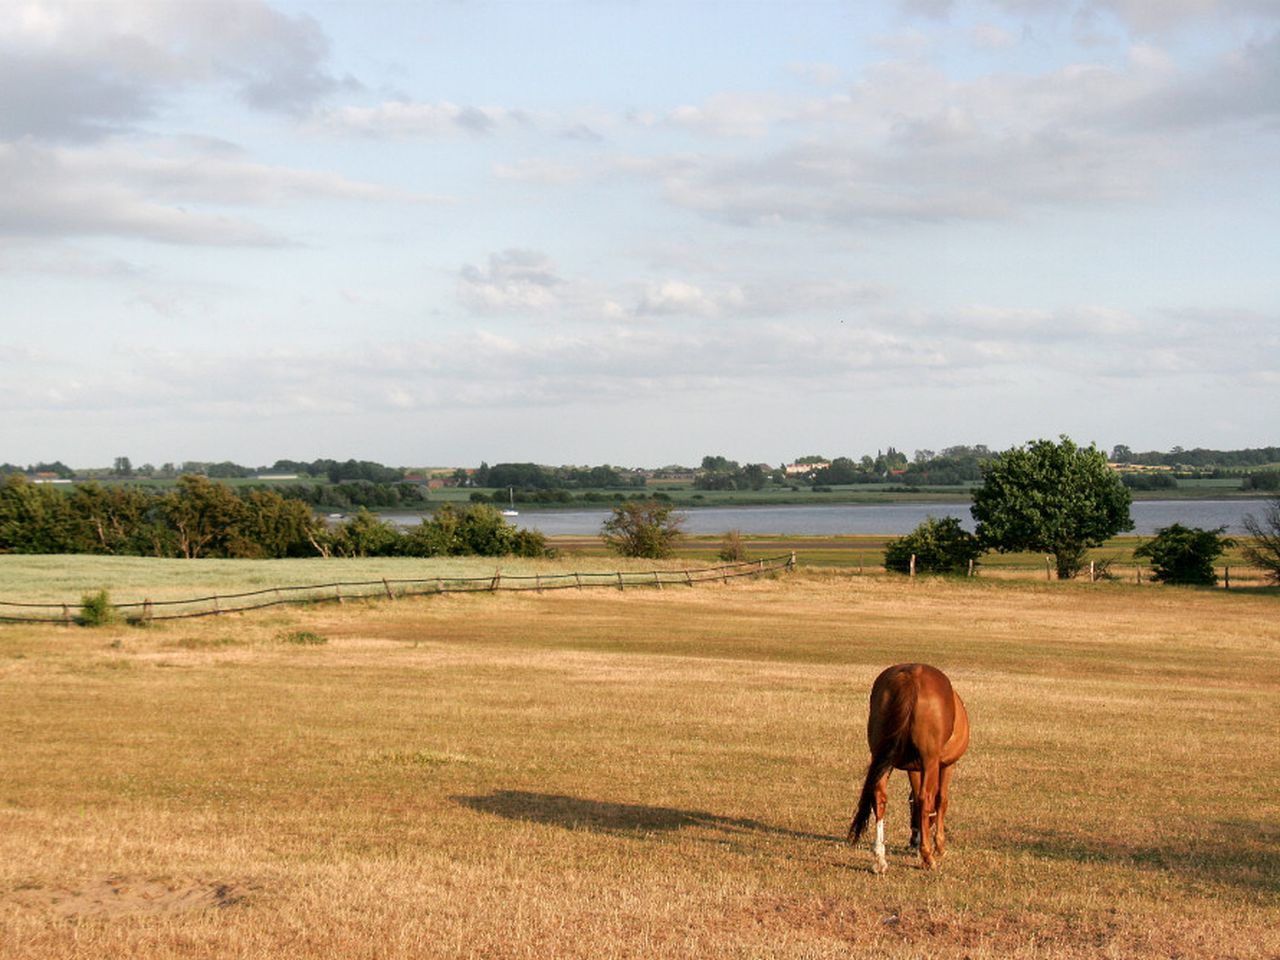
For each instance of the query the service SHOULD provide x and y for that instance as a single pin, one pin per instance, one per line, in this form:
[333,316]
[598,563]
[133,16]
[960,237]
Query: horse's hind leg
[882,801]
[944,795]
[914,777]
[929,776]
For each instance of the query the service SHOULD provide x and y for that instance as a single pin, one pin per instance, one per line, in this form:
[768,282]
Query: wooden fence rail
[147,610]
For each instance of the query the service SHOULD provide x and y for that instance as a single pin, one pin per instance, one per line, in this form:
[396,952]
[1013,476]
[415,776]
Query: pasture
[635,774]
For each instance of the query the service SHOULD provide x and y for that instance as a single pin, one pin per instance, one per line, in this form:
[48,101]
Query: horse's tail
[895,732]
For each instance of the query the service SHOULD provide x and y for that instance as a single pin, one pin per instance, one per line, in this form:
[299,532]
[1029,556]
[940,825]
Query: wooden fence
[147,611]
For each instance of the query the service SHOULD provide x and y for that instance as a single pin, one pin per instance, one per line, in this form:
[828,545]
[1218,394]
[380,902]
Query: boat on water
[511,511]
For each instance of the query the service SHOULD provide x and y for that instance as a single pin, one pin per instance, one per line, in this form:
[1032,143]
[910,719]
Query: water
[892,519]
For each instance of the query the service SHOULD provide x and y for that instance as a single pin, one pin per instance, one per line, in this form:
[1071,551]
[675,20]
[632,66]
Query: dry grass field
[638,774]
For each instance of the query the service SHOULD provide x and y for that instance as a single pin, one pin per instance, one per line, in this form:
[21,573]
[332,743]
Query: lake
[892,519]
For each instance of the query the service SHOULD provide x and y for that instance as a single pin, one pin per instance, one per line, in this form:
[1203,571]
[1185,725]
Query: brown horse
[917,723]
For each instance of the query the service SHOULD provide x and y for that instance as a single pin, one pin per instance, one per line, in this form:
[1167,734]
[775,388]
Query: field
[633,774]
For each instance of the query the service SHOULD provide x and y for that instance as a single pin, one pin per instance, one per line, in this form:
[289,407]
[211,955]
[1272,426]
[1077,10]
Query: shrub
[1265,480]
[1185,554]
[96,609]
[303,638]
[940,545]
[642,528]
[733,549]
[475,530]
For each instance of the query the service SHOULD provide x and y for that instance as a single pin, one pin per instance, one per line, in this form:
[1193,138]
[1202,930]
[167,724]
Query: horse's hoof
[879,866]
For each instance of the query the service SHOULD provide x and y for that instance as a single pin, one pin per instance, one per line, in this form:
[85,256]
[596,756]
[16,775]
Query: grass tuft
[302,638]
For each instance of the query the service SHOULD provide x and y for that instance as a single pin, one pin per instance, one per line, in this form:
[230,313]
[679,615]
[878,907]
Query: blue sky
[632,232]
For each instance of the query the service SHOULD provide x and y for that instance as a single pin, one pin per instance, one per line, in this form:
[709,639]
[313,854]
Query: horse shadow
[618,819]
[1238,854]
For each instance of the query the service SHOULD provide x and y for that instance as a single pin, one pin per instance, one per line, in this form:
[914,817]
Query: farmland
[623,774]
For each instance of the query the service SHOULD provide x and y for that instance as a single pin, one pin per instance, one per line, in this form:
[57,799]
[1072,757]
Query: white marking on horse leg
[881,863]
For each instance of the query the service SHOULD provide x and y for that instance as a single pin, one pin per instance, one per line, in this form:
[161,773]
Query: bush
[642,528]
[476,530]
[733,550]
[303,638]
[1185,554]
[96,609]
[1265,480]
[939,546]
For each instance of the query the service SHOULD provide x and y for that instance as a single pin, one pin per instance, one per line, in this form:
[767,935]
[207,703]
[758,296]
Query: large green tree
[35,518]
[205,517]
[1053,497]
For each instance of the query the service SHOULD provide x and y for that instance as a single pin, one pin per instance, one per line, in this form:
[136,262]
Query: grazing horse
[917,723]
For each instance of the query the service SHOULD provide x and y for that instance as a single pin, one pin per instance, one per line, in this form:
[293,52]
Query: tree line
[533,476]
[204,518]
[1198,458]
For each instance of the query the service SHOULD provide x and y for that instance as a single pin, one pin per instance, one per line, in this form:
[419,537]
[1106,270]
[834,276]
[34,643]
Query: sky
[634,232]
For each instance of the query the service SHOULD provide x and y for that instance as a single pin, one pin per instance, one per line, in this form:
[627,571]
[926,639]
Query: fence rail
[146,611]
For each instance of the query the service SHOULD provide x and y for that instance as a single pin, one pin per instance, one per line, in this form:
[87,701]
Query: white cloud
[515,281]
[680,298]
[149,191]
[409,119]
[73,70]
[909,144]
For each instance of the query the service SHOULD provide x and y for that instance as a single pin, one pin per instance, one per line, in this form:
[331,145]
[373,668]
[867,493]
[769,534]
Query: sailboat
[511,511]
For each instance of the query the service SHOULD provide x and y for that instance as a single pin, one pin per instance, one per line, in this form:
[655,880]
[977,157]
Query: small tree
[1264,548]
[1052,497]
[940,545]
[733,549]
[1185,554]
[643,528]
[96,609]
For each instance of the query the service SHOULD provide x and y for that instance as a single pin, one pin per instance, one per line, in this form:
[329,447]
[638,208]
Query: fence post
[971,567]
[657,579]
[1226,578]
[337,591]
[439,585]
[688,576]
[66,615]
[620,585]
[1093,578]
[146,610]
[1048,568]
[217,607]
[913,565]
[497,580]
[388,587]
[791,564]
[577,579]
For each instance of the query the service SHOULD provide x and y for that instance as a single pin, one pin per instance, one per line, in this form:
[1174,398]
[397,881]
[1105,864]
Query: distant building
[804,469]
